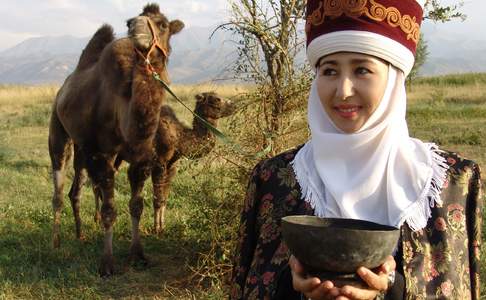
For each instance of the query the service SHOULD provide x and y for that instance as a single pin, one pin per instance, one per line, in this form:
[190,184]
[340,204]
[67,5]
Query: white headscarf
[378,173]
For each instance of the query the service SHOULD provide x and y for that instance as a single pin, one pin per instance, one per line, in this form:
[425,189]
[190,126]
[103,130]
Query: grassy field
[191,259]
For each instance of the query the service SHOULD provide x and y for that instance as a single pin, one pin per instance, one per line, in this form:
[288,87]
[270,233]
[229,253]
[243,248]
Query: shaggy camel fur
[175,140]
[110,102]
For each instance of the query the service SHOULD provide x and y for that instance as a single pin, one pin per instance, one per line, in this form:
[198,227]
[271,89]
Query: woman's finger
[295,265]
[374,281]
[304,285]
[325,290]
[299,282]
[389,265]
[350,292]
[378,281]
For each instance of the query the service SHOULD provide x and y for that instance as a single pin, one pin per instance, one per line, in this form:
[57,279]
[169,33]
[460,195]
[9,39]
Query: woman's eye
[362,71]
[328,72]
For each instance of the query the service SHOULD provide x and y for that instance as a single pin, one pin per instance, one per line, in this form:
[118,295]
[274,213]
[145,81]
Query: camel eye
[163,26]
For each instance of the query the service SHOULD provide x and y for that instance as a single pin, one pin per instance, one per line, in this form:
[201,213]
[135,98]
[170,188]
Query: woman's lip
[347,111]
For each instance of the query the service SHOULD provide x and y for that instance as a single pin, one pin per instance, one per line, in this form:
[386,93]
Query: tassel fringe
[420,212]
[310,195]
[416,216]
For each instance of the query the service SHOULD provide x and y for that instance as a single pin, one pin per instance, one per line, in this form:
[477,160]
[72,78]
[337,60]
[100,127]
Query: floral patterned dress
[439,262]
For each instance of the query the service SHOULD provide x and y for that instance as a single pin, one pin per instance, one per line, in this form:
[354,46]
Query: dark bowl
[327,245]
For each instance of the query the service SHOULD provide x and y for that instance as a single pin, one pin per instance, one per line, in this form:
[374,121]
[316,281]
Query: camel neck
[198,141]
[200,129]
[145,104]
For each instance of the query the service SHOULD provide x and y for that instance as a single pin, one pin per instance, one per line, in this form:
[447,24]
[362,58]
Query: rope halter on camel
[154,44]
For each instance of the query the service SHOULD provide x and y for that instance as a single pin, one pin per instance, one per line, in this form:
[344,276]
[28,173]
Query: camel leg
[97,194]
[59,152]
[102,173]
[97,198]
[157,179]
[137,174]
[76,187]
[161,178]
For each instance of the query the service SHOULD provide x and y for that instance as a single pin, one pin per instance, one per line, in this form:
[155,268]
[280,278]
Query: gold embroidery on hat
[356,8]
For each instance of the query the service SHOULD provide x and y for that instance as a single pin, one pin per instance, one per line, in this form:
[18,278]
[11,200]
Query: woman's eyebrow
[328,62]
[354,61]
[358,61]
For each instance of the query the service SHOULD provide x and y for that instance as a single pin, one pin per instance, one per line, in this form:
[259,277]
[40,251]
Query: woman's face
[351,86]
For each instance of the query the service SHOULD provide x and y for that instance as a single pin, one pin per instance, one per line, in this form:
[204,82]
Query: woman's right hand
[311,287]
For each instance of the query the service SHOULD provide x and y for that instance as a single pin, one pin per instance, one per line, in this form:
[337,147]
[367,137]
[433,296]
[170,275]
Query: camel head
[210,105]
[152,26]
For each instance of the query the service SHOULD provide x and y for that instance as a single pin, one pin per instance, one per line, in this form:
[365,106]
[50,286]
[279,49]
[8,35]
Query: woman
[361,163]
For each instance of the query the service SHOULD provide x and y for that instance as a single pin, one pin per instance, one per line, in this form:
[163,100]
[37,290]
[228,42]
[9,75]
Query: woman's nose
[345,88]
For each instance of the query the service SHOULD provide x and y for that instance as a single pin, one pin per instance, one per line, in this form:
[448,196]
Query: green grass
[454,79]
[31,269]
[191,259]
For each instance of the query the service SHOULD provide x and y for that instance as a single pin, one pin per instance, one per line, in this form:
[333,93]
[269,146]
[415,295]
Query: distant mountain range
[197,58]
[453,52]
[40,60]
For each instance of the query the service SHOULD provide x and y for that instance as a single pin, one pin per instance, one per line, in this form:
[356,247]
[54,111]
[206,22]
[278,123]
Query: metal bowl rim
[383,228]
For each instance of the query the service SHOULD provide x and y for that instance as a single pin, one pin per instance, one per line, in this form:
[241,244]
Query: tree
[420,58]
[438,12]
[268,40]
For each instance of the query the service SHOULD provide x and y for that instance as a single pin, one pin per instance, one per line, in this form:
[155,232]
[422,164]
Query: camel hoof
[158,230]
[137,256]
[107,266]
[138,260]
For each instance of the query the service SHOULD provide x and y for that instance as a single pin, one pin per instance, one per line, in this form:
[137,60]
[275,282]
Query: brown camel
[110,102]
[175,140]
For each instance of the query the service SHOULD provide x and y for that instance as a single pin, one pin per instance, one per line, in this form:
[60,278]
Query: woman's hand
[314,289]
[377,282]
[311,287]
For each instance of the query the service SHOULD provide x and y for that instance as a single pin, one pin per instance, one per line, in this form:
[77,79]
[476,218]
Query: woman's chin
[348,126]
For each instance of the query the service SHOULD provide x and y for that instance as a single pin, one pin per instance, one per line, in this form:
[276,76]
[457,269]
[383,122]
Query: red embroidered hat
[388,29]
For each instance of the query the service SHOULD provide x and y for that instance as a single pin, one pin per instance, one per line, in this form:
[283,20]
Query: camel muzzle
[229,108]
[140,33]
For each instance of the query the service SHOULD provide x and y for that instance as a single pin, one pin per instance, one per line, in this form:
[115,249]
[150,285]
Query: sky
[23,19]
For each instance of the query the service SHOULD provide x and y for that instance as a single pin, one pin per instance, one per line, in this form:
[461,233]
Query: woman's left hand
[377,282]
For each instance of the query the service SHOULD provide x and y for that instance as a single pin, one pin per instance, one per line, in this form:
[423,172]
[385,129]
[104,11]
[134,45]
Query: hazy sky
[22,19]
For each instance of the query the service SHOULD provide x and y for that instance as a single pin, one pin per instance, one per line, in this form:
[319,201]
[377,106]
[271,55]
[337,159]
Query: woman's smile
[348,111]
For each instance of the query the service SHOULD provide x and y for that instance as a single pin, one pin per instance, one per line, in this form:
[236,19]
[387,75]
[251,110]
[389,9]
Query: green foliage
[454,79]
[438,12]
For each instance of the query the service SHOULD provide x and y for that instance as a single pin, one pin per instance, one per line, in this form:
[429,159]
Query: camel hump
[92,52]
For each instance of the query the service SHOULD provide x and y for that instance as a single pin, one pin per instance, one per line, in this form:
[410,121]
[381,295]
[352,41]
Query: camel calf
[174,140]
